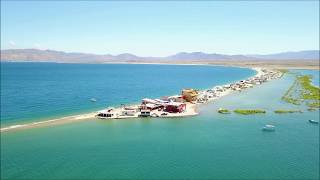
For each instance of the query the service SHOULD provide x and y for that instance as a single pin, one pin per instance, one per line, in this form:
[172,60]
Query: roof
[175,96]
[161,101]
[105,111]
[108,110]
[149,101]
[152,105]
[175,104]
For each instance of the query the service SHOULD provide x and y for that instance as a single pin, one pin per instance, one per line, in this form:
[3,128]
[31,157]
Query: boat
[313,121]
[93,100]
[107,113]
[268,127]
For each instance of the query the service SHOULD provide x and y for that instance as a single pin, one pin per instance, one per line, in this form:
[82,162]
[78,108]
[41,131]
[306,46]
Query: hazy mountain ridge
[306,55]
[36,55]
[203,56]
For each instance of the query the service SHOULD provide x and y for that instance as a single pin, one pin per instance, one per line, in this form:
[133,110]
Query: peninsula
[181,105]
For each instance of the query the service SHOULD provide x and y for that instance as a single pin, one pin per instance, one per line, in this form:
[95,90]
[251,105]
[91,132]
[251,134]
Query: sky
[155,28]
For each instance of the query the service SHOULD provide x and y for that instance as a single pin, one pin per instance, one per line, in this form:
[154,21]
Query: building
[128,111]
[149,101]
[189,94]
[144,113]
[104,114]
[151,104]
[175,107]
[176,98]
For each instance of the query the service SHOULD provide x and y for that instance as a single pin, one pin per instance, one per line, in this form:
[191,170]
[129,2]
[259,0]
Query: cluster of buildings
[184,104]
[218,91]
[172,106]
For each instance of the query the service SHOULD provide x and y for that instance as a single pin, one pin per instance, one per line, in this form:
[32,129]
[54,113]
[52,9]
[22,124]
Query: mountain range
[36,55]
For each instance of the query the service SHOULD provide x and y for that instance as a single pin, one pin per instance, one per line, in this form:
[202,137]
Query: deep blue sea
[38,91]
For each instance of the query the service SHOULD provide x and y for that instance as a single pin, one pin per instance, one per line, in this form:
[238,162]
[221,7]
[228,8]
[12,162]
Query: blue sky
[157,28]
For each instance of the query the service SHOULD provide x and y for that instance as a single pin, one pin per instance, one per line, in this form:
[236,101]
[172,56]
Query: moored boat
[313,121]
[93,100]
[269,128]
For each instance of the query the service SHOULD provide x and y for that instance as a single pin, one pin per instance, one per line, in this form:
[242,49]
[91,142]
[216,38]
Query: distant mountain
[36,55]
[127,57]
[302,55]
[200,56]
[45,55]
[60,56]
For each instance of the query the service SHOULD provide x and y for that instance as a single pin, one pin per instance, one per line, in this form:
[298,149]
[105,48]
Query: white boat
[93,100]
[313,121]
[268,127]
[107,113]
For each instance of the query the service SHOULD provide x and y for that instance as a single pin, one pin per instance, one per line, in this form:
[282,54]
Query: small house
[174,107]
[144,113]
[108,113]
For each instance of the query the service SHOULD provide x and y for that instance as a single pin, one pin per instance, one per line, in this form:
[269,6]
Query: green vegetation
[280,111]
[312,109]
[249,111]
[309,91]
[314,104]
[291,100]
[288,96]
[302,90]
[224,111]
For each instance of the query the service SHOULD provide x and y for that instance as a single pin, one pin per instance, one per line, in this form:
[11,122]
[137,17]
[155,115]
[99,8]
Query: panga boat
[268,127]
[93,100]
[313,121]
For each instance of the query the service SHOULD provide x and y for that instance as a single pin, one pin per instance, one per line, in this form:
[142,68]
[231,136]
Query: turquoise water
[208,146]
[35,91]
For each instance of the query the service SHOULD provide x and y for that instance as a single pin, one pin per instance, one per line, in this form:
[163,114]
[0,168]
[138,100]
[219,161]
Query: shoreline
[272,64]
[92,115]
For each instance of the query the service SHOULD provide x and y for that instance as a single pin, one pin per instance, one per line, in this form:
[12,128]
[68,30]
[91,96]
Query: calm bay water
[208,146]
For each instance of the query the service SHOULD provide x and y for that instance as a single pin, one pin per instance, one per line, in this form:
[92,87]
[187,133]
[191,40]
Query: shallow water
[208,146]
[314,73]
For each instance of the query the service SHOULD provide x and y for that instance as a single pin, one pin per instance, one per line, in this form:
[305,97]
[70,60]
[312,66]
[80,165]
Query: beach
[267,64]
